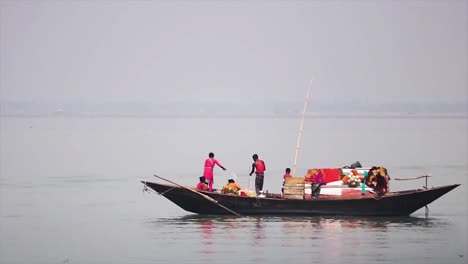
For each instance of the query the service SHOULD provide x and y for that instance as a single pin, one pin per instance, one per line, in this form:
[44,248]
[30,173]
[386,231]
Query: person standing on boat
[210,162]
[259,168]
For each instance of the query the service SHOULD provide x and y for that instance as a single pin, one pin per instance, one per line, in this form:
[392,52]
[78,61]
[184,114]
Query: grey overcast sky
[233,51]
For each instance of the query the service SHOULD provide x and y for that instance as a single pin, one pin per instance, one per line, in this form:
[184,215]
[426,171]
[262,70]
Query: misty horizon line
[300,102]
[253,116]
[230,109]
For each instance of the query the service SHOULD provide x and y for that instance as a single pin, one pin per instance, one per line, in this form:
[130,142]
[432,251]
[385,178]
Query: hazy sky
[233,51]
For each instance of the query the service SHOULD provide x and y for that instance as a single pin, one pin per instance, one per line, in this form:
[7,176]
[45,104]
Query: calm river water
[70,190]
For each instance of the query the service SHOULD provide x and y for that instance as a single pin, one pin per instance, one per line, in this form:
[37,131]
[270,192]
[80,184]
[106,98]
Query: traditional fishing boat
[400,203]
[336,199]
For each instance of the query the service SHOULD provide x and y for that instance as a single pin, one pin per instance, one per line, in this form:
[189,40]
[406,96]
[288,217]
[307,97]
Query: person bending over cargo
[231,187]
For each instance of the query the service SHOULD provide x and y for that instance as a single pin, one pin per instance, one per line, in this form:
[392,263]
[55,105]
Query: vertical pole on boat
[306,100]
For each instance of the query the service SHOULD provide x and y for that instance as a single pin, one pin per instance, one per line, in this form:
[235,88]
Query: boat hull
[393,204]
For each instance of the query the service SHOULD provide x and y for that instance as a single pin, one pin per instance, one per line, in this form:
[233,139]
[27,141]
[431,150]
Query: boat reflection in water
[338,237]
[207,239]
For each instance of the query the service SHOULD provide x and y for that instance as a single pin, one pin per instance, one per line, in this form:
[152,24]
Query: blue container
[363,185]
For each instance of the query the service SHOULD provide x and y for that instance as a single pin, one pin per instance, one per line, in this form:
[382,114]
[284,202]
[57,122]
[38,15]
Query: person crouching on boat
[316,180]
[231,187]
[210,162]
[202,186]
[259,168]
[378,180]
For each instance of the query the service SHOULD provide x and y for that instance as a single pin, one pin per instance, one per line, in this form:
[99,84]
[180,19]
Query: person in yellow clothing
[231,187]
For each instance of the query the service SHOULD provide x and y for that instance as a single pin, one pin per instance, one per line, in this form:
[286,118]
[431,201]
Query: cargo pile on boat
[337,182]
[294,188]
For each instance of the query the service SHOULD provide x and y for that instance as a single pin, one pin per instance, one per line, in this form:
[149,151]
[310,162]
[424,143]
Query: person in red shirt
[202,186]
[259,168]
[286,175]
[210,162]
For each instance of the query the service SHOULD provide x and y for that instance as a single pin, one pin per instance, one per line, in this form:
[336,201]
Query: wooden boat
[401,203]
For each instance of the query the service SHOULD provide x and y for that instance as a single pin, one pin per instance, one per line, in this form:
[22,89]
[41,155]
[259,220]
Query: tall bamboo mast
[306,101]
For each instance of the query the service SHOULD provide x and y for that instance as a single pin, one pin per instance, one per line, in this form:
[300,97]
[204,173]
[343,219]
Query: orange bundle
[345,179]
[311,174]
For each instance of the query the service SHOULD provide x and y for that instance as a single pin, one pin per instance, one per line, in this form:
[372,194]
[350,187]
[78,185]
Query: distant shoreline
[280,116]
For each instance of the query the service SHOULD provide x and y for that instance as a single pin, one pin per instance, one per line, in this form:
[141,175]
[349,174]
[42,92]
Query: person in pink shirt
[287,174]
[210,162]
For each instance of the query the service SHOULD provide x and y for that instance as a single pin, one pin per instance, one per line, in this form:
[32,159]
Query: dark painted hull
[393,204]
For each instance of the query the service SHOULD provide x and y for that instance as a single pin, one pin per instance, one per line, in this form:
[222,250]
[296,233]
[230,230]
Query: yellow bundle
[294,180]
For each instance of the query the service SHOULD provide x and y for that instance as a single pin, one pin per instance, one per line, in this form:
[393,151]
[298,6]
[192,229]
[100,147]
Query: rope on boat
[426,209]
[149,190]
[167,191]
[201,194]
[413,178]
[377,197]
